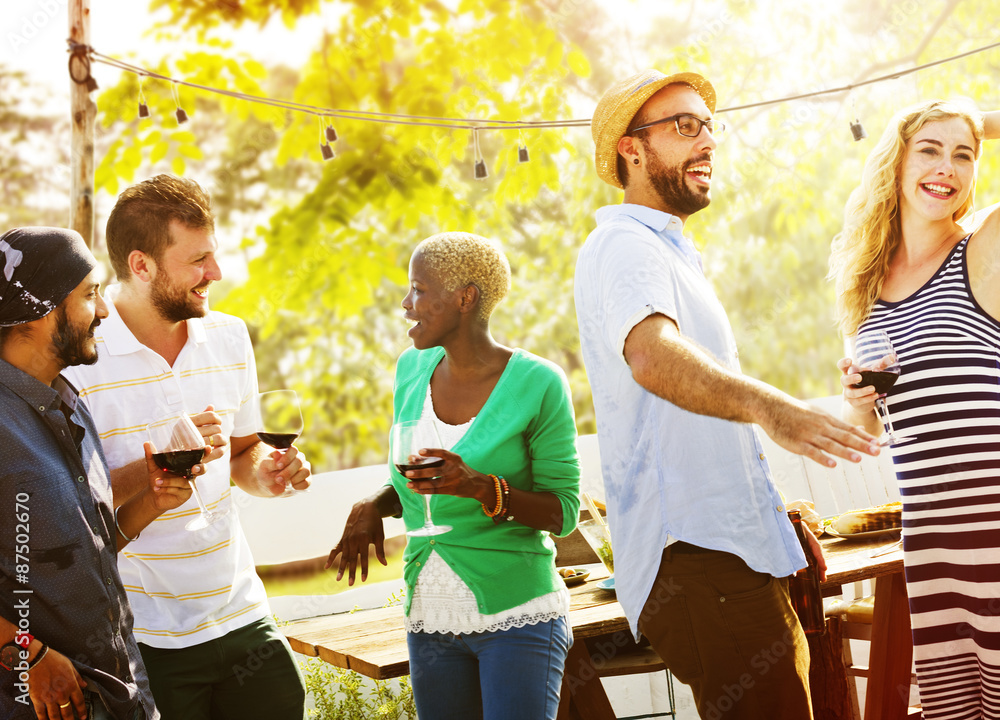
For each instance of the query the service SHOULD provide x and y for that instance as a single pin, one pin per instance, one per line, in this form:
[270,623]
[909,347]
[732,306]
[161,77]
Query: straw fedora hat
[619,105]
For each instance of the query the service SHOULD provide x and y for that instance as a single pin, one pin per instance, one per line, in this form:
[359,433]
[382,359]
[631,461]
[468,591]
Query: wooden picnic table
[373,642]
[891,653]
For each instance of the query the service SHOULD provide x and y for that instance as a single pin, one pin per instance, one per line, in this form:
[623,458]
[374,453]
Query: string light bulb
[143,107]
[182,117]
[857,129]
[324,139]
[480,172]
[522,149]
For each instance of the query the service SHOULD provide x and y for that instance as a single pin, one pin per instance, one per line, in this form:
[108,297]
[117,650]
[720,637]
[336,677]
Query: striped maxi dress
[948,398]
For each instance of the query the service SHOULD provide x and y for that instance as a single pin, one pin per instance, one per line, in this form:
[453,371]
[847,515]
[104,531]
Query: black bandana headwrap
[39,267]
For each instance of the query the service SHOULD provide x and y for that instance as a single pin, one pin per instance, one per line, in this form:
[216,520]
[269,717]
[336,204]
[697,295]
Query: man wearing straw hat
[700,533]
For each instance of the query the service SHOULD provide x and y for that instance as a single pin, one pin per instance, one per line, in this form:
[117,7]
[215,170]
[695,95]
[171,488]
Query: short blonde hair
[861,252]
[460,259]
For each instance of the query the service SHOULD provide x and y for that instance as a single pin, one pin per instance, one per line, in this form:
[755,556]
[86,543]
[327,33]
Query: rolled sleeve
[633,281]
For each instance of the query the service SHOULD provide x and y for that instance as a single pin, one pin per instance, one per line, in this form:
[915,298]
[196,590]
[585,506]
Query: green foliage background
[327,244]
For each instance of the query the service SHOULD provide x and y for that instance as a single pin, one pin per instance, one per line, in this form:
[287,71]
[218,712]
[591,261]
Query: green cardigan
[525,433]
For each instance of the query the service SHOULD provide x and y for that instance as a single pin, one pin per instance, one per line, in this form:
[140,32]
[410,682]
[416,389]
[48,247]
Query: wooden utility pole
[83,114]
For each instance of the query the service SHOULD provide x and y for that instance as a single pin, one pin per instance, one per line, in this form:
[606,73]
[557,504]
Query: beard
[173,303]
[73,345]
[670,183]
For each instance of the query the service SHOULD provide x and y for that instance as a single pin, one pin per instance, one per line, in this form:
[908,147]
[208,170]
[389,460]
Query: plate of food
[874,522]
[573,576]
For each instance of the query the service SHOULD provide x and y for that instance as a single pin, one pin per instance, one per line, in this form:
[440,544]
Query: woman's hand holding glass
[862,399]
[871,375]
[454,477]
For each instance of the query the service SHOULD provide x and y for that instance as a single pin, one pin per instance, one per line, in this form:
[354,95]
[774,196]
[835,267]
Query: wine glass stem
[884,412]
[197,497]
[427,511]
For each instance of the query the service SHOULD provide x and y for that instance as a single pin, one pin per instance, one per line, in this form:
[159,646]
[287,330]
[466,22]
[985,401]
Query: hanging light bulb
[522,149]
[324,140]
[480,172]
[858,130]
[182,116]
[143,107]
[331,134]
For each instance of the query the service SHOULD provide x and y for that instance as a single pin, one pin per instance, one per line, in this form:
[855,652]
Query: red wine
[881,380]
[430,462]
[179,462]
[281,441]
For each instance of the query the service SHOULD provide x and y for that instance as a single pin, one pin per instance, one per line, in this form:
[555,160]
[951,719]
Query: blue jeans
[511,674]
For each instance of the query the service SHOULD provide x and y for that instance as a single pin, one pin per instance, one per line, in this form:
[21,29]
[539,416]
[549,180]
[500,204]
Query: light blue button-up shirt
[669,474]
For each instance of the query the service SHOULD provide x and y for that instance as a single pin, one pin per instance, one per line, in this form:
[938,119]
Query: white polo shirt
[185,587]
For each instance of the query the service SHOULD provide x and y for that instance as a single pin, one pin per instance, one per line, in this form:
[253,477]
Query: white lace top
[443,603]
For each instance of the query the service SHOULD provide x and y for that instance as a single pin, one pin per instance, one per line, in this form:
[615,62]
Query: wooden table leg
[582,695]
[891,654]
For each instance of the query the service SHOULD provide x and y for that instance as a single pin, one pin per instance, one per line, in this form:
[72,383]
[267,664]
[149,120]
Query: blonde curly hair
[859,260]
[460,259]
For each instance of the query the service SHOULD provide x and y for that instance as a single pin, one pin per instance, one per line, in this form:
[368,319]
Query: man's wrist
[36,651]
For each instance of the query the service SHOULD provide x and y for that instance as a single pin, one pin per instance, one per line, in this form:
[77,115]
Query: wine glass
[279,422]
[177,448]
[405,440]
[880,368]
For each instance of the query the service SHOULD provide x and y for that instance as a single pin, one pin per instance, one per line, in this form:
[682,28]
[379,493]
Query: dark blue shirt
[58,552]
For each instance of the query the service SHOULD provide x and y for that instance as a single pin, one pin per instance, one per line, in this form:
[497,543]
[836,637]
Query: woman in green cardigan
[486,611]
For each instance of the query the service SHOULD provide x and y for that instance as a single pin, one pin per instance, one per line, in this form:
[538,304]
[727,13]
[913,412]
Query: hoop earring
[635,161]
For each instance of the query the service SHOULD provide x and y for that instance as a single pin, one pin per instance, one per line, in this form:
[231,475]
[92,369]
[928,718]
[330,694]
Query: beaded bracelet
[499,507]
[505,505]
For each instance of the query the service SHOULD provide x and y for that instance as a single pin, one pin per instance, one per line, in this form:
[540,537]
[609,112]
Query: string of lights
[84,55]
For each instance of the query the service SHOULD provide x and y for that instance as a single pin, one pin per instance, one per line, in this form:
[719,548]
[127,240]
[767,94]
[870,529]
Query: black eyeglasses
[687,125]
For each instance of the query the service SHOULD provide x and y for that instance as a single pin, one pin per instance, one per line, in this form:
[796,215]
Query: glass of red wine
[880,368]
[177,448]
[279,422]
[406,439]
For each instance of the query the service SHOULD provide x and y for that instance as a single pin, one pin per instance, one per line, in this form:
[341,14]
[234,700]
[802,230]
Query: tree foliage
[328,243]
[33,169]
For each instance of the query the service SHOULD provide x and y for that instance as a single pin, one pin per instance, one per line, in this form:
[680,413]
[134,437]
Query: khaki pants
[731,634]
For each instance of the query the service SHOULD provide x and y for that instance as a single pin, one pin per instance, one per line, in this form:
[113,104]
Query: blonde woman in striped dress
[905,265]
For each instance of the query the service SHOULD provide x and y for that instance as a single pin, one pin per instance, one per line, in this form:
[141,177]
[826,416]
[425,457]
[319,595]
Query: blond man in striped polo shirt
[201,615]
